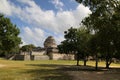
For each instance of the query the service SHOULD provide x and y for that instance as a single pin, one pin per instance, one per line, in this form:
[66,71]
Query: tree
[69,45]
[94,48]
[116,24]
[64,47]
[27,48]
[76,42]
[105,22]
[83,38]
[9,40]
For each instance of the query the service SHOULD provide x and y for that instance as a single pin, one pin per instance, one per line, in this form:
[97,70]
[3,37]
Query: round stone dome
[50,42]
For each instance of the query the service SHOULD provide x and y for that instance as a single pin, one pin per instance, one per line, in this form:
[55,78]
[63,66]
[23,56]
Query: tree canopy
[76,41]
[105,22]
[27,48]
[9,36]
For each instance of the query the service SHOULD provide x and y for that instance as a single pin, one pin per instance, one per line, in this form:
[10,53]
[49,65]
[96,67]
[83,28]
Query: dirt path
[88,73]
[1,65]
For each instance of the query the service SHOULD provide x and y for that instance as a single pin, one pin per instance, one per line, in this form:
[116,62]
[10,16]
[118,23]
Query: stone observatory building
[50,42]
[51,47]
[48,52]
[53,52]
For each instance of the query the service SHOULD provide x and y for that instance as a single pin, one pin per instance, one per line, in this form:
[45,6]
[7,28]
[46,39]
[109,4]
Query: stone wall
[32,57]
[18,57]
[58,56]
[38,52]
[42,57]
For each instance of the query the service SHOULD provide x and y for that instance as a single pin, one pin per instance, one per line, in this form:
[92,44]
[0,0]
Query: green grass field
[40,70]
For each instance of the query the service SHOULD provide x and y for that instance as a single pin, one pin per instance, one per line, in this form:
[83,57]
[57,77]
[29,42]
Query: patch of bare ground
[89,73]
[1,65]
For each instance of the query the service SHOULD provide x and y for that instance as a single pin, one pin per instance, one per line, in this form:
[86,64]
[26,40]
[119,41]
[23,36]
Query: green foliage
[83,43]
[27,48]
[69,45]
[9,40]
[101,5]
[105,22]
[77,42]
[83,38]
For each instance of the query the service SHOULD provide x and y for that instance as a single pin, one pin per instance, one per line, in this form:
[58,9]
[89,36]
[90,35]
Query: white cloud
[5,7]
[58,4]
[23,43]
[33,35]
[58,38]
[30,3]
[43,20]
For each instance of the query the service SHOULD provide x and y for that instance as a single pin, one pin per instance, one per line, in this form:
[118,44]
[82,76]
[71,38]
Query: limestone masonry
[49,52]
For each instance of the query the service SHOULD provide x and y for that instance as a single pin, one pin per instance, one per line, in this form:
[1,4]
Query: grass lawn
[54,70]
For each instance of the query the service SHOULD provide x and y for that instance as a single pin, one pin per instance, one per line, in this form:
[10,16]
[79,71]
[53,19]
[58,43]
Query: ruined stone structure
[49,51]
[52,51]
[50,42]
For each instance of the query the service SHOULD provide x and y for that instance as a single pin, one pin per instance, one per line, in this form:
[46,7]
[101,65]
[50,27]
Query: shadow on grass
[48,72]
[73,67]
[61,72]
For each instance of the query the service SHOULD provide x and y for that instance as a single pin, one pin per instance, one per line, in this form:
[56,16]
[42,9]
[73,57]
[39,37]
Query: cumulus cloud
[58,4]
[43,22]
[33,35]
[5,7]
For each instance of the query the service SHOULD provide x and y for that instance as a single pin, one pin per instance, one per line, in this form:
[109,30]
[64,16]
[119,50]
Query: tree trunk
[77,62]
[77,59]
[96,64]
[85,61]
[108,62]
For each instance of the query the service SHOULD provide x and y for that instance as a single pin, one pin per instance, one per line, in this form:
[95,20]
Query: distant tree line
[27,48]
[99,35]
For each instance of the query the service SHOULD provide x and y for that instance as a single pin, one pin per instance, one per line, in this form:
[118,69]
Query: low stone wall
[58,56]
[42,57]
[18,57]
[28,57]
[38,52]
[32,57]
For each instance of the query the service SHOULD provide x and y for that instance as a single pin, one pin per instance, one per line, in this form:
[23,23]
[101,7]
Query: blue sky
[38,19]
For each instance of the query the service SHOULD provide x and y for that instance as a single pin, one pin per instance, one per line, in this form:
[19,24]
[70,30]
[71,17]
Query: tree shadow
[61,72]
[48,72]
[73,67]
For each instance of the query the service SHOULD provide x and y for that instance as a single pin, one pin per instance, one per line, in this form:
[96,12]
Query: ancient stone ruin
[49,52]
[50,42]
